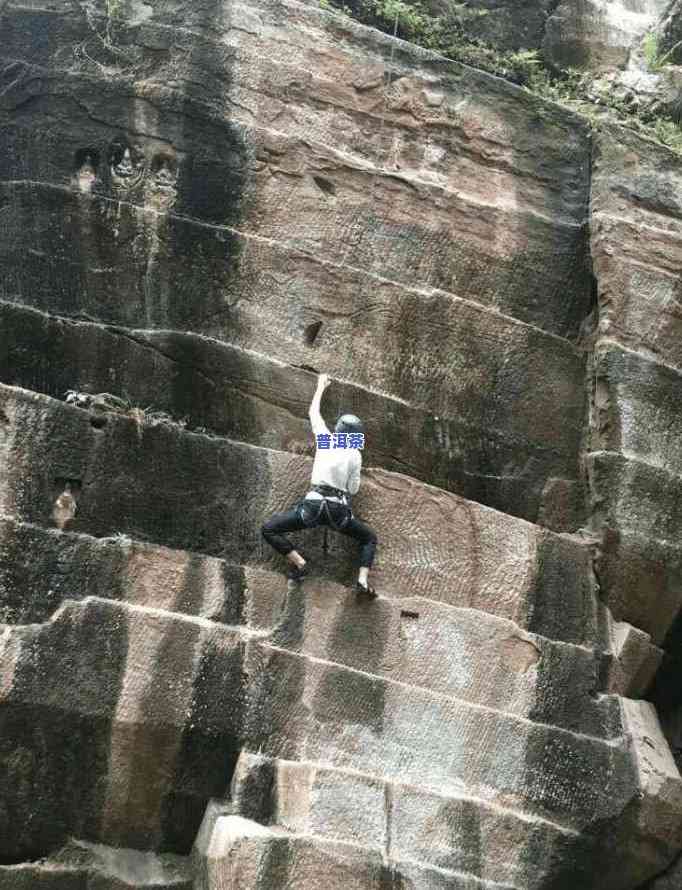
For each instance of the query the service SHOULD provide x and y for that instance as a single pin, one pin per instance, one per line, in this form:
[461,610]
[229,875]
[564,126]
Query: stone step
[234,853]
[633,660]
[303,709]
[638,513]
[635,474]
[183,657]
[316,710]
[467,654]
[130,719]
[636,242]
[60,467]
[636,409]
[248,396]
[80,866]
[127,721]
[459,653]
[456,832]
[41,568]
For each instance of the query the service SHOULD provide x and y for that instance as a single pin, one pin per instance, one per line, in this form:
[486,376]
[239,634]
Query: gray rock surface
[201,206]
[248,396]
[494,562]
[82,865]
[634,467]
[508,24]
[599,34]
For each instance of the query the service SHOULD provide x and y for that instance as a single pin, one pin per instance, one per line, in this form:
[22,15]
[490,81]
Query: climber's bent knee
[368,549]
[273,528]
[367,553]
[277,542]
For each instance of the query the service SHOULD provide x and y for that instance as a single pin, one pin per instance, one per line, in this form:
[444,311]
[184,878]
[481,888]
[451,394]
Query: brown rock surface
[635,467]
[201,205]
[251,397]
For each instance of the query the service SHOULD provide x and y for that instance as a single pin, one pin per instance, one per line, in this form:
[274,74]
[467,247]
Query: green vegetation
[445,34]
[114,17]
[651,46]
[449,35]
[668,132]
[115,10]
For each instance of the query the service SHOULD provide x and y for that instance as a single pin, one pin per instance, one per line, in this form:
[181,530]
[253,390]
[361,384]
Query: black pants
[307,514]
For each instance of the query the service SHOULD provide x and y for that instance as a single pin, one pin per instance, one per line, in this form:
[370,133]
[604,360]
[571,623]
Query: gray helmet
[349,423]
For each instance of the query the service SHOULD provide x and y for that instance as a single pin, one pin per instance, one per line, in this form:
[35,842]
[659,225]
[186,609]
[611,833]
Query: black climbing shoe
[365,591]
[297,575]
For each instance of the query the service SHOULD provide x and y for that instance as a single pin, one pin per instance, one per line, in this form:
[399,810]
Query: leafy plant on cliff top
[114,9]
[669,133]
[652,52]
[114,17]
[447,35]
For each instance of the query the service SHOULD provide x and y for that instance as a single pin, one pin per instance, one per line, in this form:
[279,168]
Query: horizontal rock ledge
[40,568]
[494,663]
[637,407]
[458,653]
[403,821]
[259,294]
[235,853]
[311,709]
[127,720]
[638,515]
[79,865]
[60,470]
[494,457]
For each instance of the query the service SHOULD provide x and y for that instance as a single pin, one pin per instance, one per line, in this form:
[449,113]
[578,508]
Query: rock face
[506,24]
[599,34]
[200,206]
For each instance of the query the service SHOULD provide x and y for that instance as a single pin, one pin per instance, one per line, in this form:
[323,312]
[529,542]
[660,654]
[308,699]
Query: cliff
[201,205]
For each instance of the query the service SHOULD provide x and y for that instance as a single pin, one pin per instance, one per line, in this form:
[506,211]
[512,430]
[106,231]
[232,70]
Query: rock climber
[335,477]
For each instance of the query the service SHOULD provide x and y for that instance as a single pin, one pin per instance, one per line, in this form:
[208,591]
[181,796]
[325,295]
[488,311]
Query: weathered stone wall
[259,237]
[200,206]
[635,467]
[599,34]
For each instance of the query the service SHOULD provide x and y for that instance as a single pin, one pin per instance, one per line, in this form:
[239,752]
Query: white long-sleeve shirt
[338,467]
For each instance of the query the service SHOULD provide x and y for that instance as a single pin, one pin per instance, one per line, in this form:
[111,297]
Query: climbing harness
[310,518]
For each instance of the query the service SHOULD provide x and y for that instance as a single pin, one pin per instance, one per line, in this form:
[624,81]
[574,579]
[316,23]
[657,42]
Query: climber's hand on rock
[323,382]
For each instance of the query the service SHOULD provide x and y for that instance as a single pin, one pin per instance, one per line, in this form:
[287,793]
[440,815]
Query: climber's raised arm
[334,478]
[316,420]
